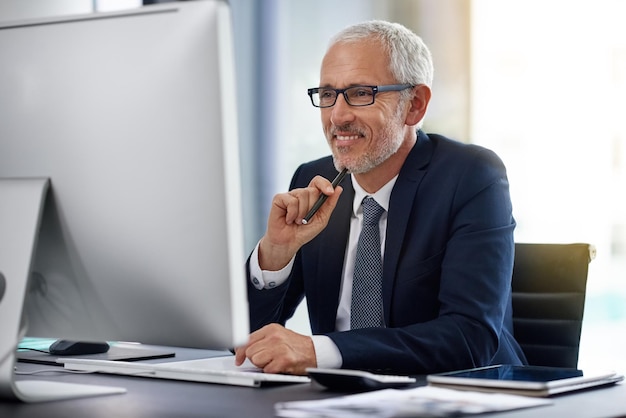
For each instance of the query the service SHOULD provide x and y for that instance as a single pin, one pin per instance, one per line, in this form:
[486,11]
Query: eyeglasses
[355,96]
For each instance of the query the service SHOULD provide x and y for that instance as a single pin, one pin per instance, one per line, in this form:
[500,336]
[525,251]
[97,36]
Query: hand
[285,231]
[275,349]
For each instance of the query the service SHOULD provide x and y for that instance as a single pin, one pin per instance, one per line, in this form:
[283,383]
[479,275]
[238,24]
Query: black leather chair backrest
[549,285]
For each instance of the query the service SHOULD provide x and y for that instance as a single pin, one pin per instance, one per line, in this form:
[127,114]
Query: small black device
[77,348]
[345,380]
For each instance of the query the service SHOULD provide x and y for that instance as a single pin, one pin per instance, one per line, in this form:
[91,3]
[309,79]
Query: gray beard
[390,142]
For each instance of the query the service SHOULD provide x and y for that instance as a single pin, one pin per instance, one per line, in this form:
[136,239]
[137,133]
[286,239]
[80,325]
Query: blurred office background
[541,82]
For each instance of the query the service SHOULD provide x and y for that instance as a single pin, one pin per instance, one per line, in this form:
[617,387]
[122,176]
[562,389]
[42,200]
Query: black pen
[323,197]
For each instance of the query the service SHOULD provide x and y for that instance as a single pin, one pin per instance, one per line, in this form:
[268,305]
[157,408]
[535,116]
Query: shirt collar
[382,196]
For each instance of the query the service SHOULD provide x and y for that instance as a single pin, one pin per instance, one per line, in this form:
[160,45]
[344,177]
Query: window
[549,94]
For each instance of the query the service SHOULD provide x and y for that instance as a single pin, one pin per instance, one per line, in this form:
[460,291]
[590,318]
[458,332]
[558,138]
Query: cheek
[326,123]
[327,128]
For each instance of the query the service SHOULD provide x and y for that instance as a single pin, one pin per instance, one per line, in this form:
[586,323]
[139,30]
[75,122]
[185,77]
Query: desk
[175,399]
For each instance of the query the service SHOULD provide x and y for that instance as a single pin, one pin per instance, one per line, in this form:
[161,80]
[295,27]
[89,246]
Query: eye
[361,92]
[326,94]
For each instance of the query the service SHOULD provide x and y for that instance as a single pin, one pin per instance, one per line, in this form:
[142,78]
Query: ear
[418,105]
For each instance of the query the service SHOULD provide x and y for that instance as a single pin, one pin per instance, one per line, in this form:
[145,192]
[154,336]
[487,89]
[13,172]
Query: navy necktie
[367,301]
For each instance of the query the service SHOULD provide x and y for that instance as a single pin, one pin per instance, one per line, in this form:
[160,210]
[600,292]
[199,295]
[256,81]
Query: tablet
[526,380]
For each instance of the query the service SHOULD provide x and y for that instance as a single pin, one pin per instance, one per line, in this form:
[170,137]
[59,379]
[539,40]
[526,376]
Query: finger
[261,358]
[322,184]
[326,209]
[242,352]
[286,206]
[299,204]
[333,198]
[319,189]
[266,352]
[259,353]
[240,355]
[296,204]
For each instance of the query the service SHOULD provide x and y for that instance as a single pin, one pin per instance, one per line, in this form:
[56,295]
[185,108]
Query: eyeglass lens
[355,96]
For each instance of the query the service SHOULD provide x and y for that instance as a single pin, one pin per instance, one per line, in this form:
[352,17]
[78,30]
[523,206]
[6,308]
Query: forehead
[355,62]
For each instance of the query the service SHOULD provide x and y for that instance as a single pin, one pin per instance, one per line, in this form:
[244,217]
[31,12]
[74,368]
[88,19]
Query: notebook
[524,380]
[219,370]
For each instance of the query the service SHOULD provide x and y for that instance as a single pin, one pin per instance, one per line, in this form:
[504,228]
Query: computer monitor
[131,117]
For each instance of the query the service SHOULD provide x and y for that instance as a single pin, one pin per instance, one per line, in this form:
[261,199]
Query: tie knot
[371,211]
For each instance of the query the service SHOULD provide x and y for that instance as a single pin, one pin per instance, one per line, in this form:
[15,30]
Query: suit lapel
[331,258]
[403,197]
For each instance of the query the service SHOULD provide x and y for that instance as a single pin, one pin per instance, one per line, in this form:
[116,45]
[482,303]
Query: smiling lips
[346,137]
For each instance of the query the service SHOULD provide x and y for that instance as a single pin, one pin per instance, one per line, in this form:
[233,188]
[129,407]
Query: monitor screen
[131,116]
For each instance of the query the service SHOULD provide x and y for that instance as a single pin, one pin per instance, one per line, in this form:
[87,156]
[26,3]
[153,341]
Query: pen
[323,197]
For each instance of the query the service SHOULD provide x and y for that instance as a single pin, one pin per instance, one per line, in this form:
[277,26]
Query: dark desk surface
[148,397]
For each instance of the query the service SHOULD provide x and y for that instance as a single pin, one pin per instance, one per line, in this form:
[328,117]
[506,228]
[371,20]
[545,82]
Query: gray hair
[409,58]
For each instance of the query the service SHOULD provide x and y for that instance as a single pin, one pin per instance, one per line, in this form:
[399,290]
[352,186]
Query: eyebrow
[328,86]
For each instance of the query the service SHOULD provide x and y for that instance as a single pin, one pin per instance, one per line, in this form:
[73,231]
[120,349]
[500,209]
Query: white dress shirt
[328,356]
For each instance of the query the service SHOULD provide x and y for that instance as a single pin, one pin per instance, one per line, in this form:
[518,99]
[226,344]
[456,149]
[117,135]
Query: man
[446,231]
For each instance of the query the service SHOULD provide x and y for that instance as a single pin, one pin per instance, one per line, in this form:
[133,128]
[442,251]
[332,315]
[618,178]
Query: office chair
[549,284]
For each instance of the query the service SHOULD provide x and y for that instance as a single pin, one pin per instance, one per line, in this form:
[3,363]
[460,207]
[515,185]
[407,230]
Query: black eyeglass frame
[375,90]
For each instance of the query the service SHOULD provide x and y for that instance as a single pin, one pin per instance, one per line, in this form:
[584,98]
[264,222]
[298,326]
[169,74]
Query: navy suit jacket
[448,261]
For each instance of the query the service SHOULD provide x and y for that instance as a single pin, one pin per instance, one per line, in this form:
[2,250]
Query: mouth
[347,137]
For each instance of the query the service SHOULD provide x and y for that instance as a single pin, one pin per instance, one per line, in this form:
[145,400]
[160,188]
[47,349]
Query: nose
[341,113]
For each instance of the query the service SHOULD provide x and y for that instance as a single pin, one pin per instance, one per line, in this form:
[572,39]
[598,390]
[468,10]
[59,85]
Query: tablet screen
[520,373]
[533,380]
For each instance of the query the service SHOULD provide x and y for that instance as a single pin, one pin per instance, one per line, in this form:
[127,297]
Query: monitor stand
[20,219]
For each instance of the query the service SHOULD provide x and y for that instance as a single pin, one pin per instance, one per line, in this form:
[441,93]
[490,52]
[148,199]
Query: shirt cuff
[327,354]
[266,279]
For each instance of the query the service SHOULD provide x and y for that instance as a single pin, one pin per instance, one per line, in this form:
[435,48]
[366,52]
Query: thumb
[323,214]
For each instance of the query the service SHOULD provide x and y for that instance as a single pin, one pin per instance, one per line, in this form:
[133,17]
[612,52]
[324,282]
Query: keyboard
[220,370]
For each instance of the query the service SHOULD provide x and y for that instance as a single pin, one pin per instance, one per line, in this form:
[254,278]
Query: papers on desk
[425,401]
